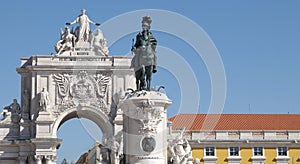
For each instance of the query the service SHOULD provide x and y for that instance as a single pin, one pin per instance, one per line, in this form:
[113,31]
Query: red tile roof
[236,121]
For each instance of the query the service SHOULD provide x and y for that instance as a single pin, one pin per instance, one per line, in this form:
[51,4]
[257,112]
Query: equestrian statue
[144,61]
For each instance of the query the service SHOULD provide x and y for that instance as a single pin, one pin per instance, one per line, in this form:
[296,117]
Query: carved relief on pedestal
[149,118]
[81,89]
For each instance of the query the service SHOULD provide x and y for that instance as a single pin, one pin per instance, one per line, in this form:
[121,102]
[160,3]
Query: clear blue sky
[258,42]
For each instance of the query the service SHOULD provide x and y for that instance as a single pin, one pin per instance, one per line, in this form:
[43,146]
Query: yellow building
[241,138]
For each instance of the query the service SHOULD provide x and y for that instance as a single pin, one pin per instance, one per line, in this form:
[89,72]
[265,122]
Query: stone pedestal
[44,125]
[145,127]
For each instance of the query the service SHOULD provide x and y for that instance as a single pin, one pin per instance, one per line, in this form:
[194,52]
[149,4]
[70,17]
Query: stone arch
[88,112]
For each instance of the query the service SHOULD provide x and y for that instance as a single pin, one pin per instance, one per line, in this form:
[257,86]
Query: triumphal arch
[81,80]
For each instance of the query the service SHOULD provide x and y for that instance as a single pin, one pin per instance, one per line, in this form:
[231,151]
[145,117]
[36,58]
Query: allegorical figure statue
[83,30]
[15,110]
[100,44]
[144,62]
[44,100]
[67,41]
[179,150]
[14,107]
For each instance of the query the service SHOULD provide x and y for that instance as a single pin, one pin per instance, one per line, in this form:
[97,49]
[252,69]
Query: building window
[234,151]
[209,151]
[258,151]
[282,151]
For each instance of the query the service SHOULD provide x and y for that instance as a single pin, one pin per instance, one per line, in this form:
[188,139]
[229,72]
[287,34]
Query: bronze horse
[143,63]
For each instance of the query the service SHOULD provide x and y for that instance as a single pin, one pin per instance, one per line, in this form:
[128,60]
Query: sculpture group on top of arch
[81,38]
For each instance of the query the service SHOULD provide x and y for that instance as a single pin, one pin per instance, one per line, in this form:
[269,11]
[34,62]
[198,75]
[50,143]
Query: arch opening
[87,112]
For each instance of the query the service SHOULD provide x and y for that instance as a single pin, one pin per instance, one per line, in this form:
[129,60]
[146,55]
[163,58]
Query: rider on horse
[144,62]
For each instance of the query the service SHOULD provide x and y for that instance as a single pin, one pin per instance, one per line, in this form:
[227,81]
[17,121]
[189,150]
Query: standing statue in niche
[144,61]
[83,30]
[44,100]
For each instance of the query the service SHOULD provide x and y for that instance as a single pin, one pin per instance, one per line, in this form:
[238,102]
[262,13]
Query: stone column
[145,127]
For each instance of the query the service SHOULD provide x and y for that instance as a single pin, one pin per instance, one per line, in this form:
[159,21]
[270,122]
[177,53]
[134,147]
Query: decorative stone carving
[81,89]
[179,150]
[151,117]
[148,144]
[47,158]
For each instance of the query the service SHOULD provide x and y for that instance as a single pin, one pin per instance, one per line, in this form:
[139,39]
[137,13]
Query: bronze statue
[144,61]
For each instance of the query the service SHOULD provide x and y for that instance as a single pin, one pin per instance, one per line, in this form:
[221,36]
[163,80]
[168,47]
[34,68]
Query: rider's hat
[146,20]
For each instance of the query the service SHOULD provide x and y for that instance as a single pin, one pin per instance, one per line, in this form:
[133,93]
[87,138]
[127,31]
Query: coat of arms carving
[82,89]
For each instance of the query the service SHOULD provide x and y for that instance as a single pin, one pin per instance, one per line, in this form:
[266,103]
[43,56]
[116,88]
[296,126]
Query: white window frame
[253,150]
[234,159]
[287,151]
[210,159]
[258,159]
[282,158]
[214,151]
[229,155]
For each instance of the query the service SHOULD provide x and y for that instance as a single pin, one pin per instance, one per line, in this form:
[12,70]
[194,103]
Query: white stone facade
[77,86]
